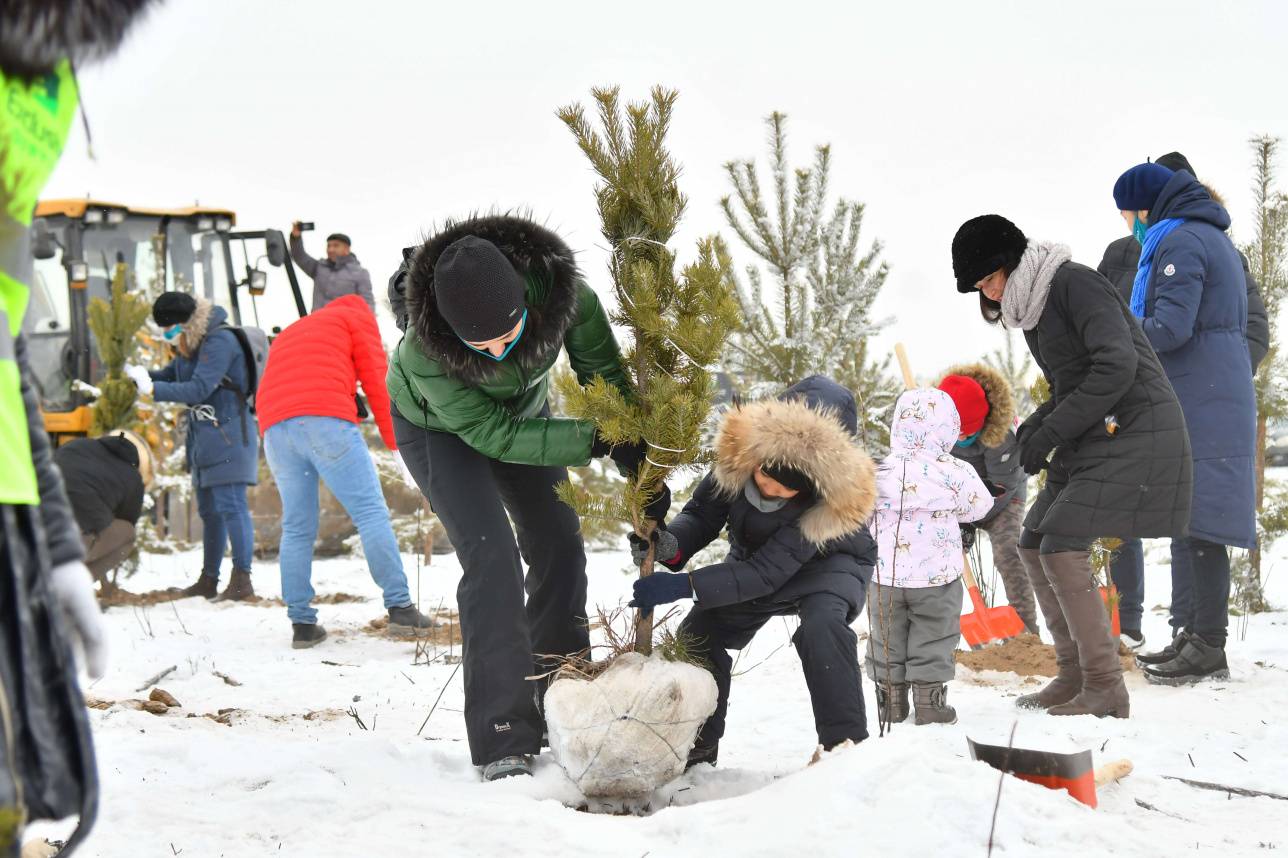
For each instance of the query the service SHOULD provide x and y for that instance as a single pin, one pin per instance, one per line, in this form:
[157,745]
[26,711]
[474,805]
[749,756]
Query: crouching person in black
[795,490]
[105,480]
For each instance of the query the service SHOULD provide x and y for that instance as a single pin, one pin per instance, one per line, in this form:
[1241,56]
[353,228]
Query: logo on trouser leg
[503,727]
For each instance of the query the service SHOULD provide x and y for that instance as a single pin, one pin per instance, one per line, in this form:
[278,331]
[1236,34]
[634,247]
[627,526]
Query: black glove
[1035,449]
[600,448]
[968,536]
[628,457]
[665,542]
[660,505]
[660,588]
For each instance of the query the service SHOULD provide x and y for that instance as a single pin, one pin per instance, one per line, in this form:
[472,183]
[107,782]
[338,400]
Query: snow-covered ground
[274,782]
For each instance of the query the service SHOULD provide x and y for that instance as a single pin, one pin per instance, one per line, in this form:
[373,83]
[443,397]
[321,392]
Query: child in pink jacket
[915,598]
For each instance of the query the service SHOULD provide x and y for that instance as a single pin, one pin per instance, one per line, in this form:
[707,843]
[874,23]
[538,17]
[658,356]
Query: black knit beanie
[477,290]
[339,236]
[792,478]
[984,244]
[1176,161]
[173,308]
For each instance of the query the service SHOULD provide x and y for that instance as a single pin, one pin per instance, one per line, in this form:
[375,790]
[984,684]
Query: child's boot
[931,700]
[892,702]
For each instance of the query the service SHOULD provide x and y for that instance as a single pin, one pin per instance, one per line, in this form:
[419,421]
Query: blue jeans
[1128,574]
[301,450]
[225,517]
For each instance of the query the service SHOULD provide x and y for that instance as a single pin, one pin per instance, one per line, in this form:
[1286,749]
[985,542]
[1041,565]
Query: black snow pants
[827,646]
[502,639]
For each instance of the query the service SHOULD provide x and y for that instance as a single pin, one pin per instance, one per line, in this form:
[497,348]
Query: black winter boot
[307,635]
[931,701]
[239,588]
[701,754]
[1195,661]
[892,702]
[207,587]
[1165,654]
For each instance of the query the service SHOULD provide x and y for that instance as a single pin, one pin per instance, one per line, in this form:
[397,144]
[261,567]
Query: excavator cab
[77,245]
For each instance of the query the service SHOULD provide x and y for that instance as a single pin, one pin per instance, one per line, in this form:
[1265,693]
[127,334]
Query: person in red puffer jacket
[309,416]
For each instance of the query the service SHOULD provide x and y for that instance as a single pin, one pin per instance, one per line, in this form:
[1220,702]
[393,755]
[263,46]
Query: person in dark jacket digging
[1119,266]
[1190,294]
[338,275]
[489,303]
[795,490]
[106,478]
[209,375]
[986,405]
[1111,438]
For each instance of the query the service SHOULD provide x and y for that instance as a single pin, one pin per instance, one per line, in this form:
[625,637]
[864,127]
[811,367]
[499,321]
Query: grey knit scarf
[1026,289]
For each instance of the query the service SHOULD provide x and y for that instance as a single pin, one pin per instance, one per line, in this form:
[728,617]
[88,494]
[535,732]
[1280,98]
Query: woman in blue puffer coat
[1190,294]
[210,375]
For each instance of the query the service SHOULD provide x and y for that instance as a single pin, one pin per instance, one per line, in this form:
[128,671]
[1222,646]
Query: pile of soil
[1025,655]
[447,633]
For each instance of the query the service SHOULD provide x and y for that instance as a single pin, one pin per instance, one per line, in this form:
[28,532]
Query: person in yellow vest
[47,603]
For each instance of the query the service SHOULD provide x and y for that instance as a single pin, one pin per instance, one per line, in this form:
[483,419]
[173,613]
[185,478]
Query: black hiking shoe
[307,635]
[701,754]
[1196,661]
[508,767]
[1165,654]
[409,621]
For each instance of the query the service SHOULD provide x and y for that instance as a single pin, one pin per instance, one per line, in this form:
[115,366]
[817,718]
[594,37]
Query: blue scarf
[970,439]
[1157,232]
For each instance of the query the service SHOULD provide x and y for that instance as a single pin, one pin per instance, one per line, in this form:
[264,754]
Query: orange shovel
[983,625]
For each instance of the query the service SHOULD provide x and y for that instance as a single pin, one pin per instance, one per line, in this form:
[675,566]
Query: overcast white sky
[380,119]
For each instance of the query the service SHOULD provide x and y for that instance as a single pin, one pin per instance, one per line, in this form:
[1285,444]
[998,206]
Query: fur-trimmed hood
[540,257]
[203,318]
[1001,400]
[810,427]
[36,35]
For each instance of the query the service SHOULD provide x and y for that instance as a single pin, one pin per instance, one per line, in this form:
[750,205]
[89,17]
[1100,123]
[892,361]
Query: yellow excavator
[78,243]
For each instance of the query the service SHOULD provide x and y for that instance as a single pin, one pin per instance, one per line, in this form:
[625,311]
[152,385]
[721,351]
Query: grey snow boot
[1068,680]
[931,701]
[409,621]
[508,767]
[892,702]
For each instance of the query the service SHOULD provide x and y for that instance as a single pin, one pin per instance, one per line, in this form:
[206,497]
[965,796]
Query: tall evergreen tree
[115,324]
[1268,261]
[815,314]
[678,325]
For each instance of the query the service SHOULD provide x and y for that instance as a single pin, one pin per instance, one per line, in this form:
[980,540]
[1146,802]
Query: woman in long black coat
[1121,465]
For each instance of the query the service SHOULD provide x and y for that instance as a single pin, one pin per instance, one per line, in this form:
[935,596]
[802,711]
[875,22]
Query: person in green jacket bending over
[487,305]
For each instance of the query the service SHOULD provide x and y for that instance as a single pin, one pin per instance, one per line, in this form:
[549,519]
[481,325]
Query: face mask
[523,323]
[173,331]
[1138,229]
[970,439]
[752,492]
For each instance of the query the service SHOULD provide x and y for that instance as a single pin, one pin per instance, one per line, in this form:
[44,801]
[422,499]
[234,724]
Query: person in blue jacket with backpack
[214,375]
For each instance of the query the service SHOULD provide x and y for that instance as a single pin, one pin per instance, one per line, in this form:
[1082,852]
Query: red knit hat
[968,396]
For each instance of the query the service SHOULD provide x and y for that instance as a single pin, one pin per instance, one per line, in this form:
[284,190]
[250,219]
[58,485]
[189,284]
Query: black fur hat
[984,244]
[173,308]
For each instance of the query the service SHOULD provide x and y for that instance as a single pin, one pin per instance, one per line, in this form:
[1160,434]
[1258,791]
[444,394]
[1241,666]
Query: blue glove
[661,588]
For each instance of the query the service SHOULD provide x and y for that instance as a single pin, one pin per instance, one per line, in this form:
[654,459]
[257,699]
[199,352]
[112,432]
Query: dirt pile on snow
[1025,655]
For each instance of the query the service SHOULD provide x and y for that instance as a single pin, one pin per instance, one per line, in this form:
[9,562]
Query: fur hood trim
[540,257]
[39,34]
[815,442]
[1001,400]
[195,329]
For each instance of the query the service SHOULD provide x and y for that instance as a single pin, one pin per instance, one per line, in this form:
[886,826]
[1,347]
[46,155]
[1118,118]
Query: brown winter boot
[239,588]
[1103,691]
[207,587]
[930,699]
[892,702]
[1068,680]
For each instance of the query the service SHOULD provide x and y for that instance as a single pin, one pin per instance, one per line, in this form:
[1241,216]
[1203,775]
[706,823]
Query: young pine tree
[815,314]
[678,324]
[1268,261]
[115,324]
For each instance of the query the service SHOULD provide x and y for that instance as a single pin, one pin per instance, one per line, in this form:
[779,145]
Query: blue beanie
[1138,188]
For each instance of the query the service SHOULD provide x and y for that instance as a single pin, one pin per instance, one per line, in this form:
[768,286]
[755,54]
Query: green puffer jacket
[499,407]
